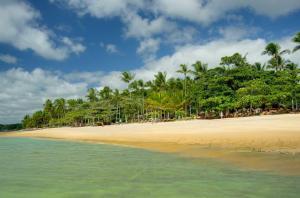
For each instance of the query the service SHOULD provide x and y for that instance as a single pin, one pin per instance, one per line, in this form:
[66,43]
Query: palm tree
[259,67]
[117,99]
[127,77]
[185,71]
[91,96]
[105,93]
[199,69]
[160,81]
[60,107]
[48,108]
[296,39]
[273,49]
[142,85]
[159,85]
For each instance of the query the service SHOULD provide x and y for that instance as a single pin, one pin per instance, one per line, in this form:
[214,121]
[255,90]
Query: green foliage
[235,88]
[10,127]
[296,39]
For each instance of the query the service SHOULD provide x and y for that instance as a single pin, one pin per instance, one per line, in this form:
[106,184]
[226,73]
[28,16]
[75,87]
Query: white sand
[262,133]
[231,140]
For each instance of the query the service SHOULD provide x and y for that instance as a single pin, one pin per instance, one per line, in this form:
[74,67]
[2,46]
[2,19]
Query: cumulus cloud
[8,59]
[201,11]
[206,12]
[91,78]
[23,92]
[76,48]
[159,20]
[110,48]
[210,52]
[139,27]
[19,27]
[101,8]
[236,32]
[148,48]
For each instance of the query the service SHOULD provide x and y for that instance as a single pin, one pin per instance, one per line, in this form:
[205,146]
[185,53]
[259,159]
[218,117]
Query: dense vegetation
[234,88]
[10,127]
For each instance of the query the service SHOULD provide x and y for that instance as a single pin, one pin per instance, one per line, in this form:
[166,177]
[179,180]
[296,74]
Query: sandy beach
[270,142]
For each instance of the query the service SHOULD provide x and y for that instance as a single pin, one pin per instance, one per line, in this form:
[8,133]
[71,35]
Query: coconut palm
[92,95]
[259,67]
[127,77]
[199,69]
[273,49]
[105,93]
[185,71]
[296,39]
[60,107]
[160,81]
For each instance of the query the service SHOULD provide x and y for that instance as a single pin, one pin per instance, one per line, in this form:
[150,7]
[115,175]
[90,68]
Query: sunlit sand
[266,142]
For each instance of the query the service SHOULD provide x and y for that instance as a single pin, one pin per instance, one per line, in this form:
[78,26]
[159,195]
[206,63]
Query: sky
[60,48]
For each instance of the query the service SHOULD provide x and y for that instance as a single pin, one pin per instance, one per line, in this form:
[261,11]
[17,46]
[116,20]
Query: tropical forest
[234,88]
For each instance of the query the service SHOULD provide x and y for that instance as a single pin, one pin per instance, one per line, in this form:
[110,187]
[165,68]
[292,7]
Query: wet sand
[262,142]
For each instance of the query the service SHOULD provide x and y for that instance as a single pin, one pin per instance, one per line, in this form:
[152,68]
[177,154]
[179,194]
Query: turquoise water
[46,168]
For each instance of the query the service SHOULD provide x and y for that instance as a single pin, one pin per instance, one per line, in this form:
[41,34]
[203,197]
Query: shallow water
[47,168]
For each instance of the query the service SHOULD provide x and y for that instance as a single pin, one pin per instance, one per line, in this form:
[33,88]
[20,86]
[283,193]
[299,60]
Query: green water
[46,168]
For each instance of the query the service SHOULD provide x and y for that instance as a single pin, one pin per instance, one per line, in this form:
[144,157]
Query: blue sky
[59,48]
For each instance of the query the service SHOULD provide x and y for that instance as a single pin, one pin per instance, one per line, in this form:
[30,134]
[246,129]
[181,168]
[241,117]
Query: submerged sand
[265,142]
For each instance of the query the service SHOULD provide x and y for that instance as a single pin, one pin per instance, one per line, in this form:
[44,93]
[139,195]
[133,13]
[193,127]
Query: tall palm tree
[92,95]
[117,100]
[296,39]
[48,108]
[160,81]
[142,85]
[185,71]
[273,49]
[259,67]
[199,69]
[60,107]
[105,93]
[127,77]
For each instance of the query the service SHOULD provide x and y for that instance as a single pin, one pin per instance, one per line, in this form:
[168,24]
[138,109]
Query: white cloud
[8,59]
[210,52]
[91,78]
[101,8]
[76,48]
[206,12]
[236,32]
[160,17]
[19,27]
[201,11]
[148,48]
[110,48]
[23,92]
[139,27]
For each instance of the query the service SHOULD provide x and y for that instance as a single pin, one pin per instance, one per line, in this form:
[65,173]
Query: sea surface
[48,168]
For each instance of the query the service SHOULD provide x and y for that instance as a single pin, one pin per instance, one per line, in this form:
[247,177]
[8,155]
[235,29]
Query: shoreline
[270,142]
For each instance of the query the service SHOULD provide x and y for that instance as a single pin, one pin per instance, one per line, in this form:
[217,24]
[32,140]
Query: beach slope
[272,134]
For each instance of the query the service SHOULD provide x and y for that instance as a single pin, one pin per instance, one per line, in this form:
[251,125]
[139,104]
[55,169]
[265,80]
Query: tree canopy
[233,88]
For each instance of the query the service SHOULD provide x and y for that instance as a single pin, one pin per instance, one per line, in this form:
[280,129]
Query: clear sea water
[47,168]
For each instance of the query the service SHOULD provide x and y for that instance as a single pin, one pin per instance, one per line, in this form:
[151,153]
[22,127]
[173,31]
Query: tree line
[234,88]
[10,127]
